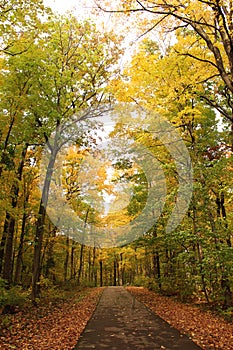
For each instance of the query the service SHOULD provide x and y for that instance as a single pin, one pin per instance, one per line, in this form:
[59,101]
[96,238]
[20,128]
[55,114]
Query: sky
[104,21]
[84,8]
[80,8]
[62,6]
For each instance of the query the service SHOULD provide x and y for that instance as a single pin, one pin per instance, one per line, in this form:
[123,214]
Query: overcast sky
[78,7]
[62,6]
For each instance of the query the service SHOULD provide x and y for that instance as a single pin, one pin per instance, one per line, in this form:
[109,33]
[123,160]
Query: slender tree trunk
[157,270]
[50,262]
[3,240]
[225,283]
[224,216]
[37,253]
[7,262]
[105,279]
[101,273]
[80,264]
[200,256]
[81,250]
[9,225]
[40,225]
[66,259]
[122,270]
[72,269]
[156,263]
[89,265]
[115,272]
[6,143]
[118,274]
[94,273]
[19,259]
[135,262]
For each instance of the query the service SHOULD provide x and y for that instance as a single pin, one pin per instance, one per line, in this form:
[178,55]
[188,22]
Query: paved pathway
[122,323]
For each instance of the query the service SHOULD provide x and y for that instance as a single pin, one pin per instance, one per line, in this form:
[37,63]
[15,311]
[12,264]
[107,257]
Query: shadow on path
[122,323]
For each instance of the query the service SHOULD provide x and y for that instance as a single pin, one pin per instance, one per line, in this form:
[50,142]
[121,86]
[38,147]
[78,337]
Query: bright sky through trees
[68,5]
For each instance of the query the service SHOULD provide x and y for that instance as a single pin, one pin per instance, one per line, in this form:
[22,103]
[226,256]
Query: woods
[60,77]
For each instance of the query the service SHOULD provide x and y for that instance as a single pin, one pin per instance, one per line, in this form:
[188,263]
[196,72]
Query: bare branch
[209,78]
[198,58]
[6,52]
[153,27]
[221,12]
[219,108]
[118,11]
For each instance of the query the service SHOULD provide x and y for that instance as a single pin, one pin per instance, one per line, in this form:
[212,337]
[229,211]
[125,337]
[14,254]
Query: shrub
[11,298]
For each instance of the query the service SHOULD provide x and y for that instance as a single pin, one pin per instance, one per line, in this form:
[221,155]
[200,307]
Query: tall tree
[71,77]
[210,25]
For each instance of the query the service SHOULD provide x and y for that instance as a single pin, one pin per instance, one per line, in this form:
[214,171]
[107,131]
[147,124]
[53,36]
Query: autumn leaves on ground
[58,325]
[49,326]
[203,327]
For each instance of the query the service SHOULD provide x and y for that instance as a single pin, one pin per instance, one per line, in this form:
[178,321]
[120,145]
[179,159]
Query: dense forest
[60,77]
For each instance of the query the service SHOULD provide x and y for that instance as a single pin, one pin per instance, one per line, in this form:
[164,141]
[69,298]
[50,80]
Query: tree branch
[197,58]
[216,106]
[153,27]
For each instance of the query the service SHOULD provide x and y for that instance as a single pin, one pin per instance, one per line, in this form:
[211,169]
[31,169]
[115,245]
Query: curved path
[122,323]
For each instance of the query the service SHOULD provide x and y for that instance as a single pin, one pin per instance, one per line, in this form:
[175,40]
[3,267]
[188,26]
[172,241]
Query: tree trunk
[156,262]
[89,265]
[6,143]
[36,271]
[94,273]
[72,268]
[81,250]
[66,259]
[115,272]
[7,264]
[19,258]
[122,270]
[200,255]
[9,225]
[50,262]
[157,270]
[80,264]
[21,243]
[3,240]
[101,273]
[225,283]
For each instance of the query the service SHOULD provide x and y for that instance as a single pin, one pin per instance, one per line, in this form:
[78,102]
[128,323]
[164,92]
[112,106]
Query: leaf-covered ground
[49,326]
[58,326]
[205,329]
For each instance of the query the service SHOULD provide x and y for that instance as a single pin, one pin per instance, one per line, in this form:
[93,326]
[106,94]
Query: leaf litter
[203,327]
[49,327]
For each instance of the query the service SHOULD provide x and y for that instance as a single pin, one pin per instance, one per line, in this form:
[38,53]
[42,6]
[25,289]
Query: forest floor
[203,327]
[58,325]
[50,325]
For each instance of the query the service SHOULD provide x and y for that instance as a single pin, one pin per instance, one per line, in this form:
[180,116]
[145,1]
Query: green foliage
[227,314]
[140,281]
[87,284]
[11,297]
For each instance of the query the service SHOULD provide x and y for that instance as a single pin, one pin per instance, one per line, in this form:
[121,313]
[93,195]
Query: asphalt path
[120,322]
